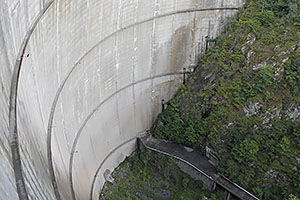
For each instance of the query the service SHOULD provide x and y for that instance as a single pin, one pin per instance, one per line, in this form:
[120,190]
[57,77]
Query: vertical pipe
[162,105]
[184,72]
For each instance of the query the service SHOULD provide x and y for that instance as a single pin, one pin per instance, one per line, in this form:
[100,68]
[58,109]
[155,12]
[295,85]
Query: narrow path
[197,161]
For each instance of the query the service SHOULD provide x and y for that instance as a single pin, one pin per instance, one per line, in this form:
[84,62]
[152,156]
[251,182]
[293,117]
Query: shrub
[250,25]
[264,78]
[293,197]
[246,151]
[282,8]
[266,18]
[292,75]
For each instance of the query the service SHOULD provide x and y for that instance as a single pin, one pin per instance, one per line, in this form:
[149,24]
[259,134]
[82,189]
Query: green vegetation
[154,176]
[242,99]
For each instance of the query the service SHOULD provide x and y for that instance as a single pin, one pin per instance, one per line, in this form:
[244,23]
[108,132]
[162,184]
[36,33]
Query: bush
[266,18]
[250,25]
[264,78]
[292,76]
[249,147]
[293,197]
[246,151]
[282,8]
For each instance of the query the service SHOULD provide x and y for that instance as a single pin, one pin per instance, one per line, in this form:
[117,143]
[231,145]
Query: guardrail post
[228,196]
[207,41]
[163,105]
[140,145]
[184,72]
[214,185]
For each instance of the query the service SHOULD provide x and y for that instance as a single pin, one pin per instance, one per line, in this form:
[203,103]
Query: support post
[140,145]
[228,196]
[163,105]
[184,75]
[213,187]
[206,43]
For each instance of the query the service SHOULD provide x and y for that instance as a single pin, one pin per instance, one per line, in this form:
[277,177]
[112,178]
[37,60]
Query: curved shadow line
[103,161]
[13,130]
[78,134]
[54,103]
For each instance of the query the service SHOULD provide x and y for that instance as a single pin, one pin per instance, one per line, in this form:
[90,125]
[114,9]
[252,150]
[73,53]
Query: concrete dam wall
[80,80]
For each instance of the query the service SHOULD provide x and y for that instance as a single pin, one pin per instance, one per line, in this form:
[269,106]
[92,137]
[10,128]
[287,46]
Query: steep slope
[80,80]
[243,101]
[153,176]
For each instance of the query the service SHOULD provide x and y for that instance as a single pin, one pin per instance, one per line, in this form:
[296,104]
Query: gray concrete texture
[80,80]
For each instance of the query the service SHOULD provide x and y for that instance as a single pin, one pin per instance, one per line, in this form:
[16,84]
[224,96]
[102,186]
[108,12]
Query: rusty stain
[179,41]
[194,29]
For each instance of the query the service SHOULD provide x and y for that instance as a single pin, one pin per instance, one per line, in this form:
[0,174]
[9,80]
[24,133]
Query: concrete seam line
[102,163]
[13,111]
[109,36]
[78,134]
[54,103]
[13,129]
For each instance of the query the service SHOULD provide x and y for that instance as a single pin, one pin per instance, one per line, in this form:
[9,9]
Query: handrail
[181,159]
[236,185]
[216,177]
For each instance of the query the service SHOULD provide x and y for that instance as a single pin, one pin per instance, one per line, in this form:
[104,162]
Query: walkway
[198,161]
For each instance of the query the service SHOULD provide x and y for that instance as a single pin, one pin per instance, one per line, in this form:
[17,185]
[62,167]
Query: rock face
[252,109]
[242,101]
[81,79]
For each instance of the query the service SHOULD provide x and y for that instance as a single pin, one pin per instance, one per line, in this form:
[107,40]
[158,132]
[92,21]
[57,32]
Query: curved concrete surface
[81,79]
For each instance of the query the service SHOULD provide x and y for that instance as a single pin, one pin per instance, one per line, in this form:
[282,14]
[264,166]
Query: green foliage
[180,128]
[185,182]
[261,147]
[146,175]
[284,145]
[229,167]
[293,197]
[292,75]
[249,90]
[296,133]
[246,151]
[266,18]
[282,8]
[251,25]
[257,151]
[237,58]
[264,78]
[269,37]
